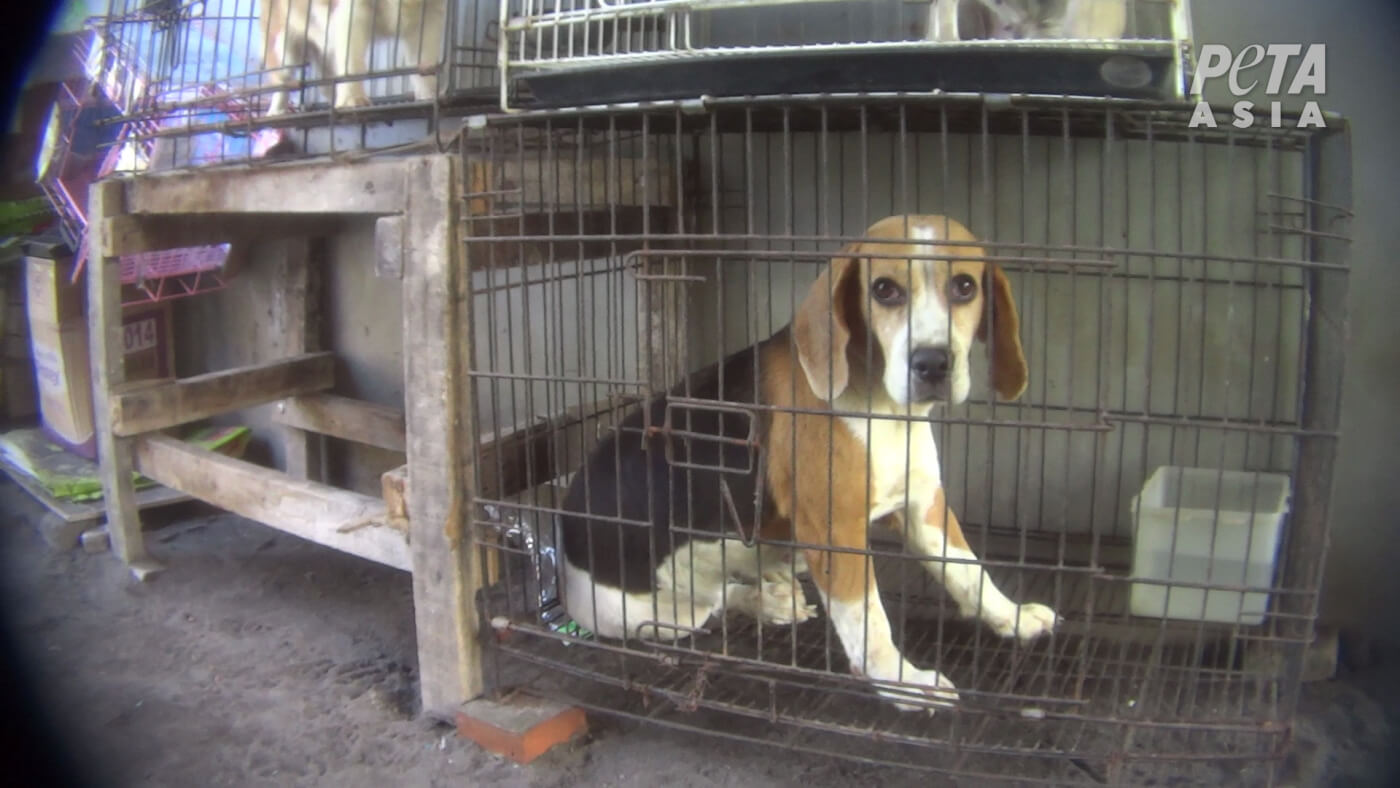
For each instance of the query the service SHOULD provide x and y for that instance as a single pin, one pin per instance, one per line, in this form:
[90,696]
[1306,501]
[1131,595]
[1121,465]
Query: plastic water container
[1226,526]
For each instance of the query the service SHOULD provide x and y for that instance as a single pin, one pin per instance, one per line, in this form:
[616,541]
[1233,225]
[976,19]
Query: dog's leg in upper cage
[424,42]
[278,49]
[938,533]
[1095,19]
[347,53]
[278,104]
[943,20]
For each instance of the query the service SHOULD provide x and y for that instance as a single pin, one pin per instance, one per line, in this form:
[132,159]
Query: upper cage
[551,51]
[213,81]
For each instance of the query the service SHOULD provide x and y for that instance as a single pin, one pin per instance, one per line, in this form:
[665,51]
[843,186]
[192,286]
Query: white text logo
[1244,72]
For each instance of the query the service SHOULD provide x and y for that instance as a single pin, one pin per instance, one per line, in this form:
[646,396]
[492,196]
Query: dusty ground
[259,659]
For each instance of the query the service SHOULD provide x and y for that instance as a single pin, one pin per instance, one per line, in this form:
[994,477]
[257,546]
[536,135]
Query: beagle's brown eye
[887,292]
[962,288]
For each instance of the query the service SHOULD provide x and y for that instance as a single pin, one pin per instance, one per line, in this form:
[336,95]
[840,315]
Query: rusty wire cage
[1181,293]
[556,53]
[204,82]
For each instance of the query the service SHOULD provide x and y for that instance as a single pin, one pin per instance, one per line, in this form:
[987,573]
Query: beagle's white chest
[904,466]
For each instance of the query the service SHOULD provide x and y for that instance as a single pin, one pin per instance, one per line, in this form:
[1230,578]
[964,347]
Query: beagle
[961,20]
[818,433]
[337,35]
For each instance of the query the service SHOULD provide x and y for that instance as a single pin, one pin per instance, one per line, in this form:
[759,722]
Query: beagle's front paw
[936,691]
[1026,622]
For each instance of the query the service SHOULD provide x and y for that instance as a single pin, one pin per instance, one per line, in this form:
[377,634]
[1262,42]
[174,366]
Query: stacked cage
[585,52]
[236,81]
[1161,483]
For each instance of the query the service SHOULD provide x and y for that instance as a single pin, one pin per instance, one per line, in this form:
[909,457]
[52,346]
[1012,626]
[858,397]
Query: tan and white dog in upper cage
[960,20]
[336,36]
[841,398]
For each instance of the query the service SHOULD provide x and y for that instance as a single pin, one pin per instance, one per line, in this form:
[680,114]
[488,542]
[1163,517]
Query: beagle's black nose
[930,364]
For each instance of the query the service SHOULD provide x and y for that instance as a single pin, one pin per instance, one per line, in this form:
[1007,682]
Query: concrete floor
[259,659]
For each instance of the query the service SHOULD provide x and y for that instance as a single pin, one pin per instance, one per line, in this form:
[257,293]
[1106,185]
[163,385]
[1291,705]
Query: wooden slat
[538,227]
[109,372]
[293,330]
[128,234]
[597,182]
[345,418]
[373,187]
[344,520]
[156,407]
[437,342]
[525,457]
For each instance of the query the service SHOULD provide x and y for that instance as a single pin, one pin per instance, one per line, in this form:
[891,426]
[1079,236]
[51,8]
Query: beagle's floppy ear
[821,328]
[1008,362]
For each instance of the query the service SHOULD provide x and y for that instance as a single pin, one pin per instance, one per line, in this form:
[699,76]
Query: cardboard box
[49,296]
[17,387]
[65,383]
[58,333]
[19,399]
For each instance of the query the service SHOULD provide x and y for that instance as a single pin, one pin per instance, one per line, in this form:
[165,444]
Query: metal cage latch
[748,532]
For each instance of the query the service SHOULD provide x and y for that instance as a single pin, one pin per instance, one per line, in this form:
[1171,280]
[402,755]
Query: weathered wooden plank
[437,342]
[530,184]
[370,187]
[345,418]
[294,329]
[128,234]
[109,372]
[533,231]
[155,407]
[528,456]
[344,520]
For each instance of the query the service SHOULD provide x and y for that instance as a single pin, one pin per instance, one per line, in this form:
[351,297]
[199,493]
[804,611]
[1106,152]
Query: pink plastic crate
[172,262]
[158,275]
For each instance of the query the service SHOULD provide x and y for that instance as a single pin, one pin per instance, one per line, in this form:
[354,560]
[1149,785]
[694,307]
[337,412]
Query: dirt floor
[259,659]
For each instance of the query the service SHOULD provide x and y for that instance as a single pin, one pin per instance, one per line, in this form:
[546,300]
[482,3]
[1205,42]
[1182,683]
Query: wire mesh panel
[824,414]
[553,52]
[213,81]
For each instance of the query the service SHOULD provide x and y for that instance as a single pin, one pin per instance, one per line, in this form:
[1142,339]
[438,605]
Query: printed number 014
[140,335]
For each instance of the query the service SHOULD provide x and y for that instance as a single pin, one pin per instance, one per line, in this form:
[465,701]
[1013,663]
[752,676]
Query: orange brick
[520,727]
